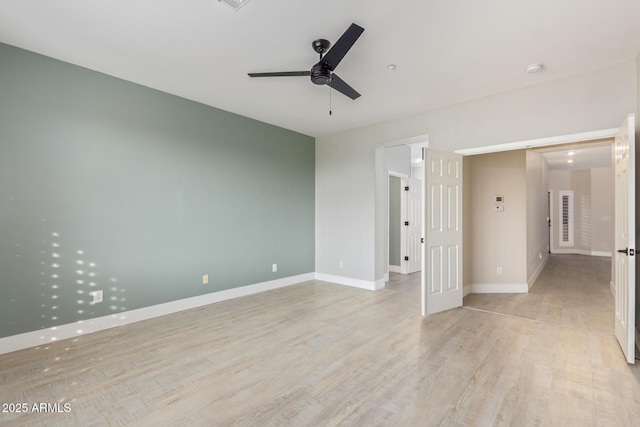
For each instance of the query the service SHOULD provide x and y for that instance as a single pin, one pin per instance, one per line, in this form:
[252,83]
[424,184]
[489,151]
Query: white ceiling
[582,156]
[447,52]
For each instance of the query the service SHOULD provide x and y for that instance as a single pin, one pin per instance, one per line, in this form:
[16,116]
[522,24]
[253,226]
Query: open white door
[625,260]
[442,254]
[411,225]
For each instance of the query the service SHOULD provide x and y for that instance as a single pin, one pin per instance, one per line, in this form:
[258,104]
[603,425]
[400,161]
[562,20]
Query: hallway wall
[497,239]
[593,209]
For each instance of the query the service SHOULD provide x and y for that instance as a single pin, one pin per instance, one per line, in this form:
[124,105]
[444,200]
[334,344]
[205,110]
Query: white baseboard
[536,273]
[580,252]
[348,281]
[395,268]
[82,327]
[499,288]
[600,253]
[386,277]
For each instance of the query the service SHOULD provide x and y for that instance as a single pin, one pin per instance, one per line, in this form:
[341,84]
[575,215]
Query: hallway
[572,290]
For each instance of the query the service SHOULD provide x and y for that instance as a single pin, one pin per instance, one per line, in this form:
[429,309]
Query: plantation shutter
[566,218]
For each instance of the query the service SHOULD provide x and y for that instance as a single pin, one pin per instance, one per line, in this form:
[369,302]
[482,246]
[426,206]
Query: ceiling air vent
[236,4]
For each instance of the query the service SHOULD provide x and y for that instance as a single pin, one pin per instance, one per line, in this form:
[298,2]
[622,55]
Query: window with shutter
[566,218]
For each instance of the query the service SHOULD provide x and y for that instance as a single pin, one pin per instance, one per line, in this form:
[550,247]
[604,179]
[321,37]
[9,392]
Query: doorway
[402,165]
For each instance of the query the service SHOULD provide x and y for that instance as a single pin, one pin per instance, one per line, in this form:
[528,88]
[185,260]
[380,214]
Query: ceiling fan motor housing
[320,75]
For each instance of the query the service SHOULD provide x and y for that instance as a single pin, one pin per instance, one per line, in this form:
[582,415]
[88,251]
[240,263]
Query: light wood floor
[318,354]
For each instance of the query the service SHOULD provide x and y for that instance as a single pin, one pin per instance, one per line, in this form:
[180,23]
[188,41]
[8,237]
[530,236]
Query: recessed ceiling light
[534,68]
[570,161]
[571,153]
[391,67]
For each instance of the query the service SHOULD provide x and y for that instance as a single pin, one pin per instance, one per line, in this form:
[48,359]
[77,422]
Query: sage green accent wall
[394,220]
[105,184]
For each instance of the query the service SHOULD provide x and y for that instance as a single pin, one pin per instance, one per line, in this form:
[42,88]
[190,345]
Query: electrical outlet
[274,267]
[205,279]
[499,271]
[97,297]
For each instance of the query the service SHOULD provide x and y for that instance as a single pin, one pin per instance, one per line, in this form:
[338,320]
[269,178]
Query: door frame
[550,220]
[380,207]
[381,261]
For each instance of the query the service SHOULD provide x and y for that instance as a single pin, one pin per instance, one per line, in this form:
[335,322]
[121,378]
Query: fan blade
[341,86]
[281,74]
[341,47]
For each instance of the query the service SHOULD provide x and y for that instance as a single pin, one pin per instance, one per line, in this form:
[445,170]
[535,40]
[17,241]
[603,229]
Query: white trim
[600,253]
[348,281]
[418,139]
[541,142]
[386,277]
[611,288]
[397,174]
[82,327]
[536,273]
[581,252]
[499,288]
[394,269]
[378,284]
[552,222]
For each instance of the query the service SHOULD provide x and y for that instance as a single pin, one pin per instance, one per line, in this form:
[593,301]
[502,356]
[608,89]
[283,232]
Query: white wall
[602,210]
[398,159]
[349,177]
[593,208]
[537,210]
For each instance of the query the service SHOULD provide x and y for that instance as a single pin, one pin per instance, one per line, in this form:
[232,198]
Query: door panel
[414,229]
[624,274]
[442,269]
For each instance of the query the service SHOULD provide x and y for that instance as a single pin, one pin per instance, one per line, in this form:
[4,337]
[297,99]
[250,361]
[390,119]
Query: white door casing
[625,235]
[412,225]
[442,254]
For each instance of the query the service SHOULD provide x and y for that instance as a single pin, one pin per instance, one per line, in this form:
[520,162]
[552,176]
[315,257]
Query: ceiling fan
[322,72]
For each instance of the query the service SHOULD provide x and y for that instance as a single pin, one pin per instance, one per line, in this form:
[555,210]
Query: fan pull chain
[329,100]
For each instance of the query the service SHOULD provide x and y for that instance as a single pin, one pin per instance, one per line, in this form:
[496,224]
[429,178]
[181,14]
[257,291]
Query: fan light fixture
[236,4]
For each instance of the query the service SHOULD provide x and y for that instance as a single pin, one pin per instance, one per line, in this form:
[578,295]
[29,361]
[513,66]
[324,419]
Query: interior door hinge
[405,223]
[406,258]
[406,188]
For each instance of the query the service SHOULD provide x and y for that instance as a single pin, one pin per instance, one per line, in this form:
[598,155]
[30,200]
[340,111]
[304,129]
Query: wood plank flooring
[318,354]
[572,290]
